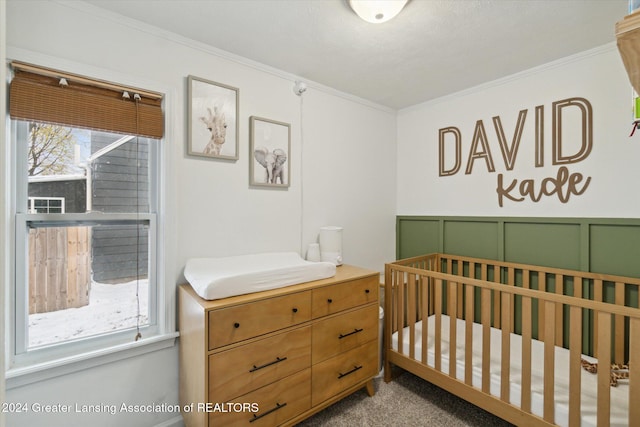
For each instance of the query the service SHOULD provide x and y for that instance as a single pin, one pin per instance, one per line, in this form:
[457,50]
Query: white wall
[597,75]
[94,397]
[4,214]
[349,174]
[343,173]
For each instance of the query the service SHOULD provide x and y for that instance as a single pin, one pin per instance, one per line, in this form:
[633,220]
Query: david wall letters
[563,184]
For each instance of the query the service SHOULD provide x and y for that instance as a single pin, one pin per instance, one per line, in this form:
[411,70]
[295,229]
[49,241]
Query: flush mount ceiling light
[377,11]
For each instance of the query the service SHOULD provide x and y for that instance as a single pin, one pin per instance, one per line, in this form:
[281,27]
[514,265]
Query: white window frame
[26,367]
[32,204]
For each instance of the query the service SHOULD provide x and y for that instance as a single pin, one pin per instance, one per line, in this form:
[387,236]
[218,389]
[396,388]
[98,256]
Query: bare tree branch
[50,149]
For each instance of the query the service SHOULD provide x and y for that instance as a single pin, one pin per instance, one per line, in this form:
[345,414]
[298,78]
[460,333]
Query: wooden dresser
[279,356]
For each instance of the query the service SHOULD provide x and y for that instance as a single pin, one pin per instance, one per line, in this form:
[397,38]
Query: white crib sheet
[214,278]
[619,395]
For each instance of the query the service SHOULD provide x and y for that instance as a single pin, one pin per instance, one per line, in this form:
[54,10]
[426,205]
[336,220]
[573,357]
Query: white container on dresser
[279,356]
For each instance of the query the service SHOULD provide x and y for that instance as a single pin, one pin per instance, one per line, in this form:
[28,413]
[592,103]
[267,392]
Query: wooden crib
[520,333]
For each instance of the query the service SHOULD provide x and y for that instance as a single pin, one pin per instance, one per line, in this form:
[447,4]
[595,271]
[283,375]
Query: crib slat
[526,279]
[438,325]
[425,281]
[460,291]
[604,360]
[542,286]
[575,350]
[634,370]
[512,281]
[394,295]
[597,296]
[577,286]
[411,314]
[419,310]
[619,326]
[549,365]
[469,291]
[468,336]
[453,304]
[497,273]
[391,286]
[486,339]
[505,376]
[578,292]
[526,350]
[559,290]
[400,311]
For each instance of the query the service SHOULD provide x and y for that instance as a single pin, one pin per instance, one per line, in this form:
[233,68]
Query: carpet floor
[406,401]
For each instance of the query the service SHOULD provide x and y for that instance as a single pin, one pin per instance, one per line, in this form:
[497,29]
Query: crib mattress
[214,278]
[619,394]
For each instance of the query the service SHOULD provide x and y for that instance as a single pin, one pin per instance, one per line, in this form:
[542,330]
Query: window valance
[50,96]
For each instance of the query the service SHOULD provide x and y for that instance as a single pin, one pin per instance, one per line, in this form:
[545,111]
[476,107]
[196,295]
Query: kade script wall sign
[562,184]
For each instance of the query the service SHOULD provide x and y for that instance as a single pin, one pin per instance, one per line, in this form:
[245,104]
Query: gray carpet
[406,401]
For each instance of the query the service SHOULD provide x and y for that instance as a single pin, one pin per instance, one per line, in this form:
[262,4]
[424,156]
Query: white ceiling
[433,48]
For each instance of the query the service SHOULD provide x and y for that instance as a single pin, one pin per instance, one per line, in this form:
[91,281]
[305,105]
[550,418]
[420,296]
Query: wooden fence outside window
[59,268]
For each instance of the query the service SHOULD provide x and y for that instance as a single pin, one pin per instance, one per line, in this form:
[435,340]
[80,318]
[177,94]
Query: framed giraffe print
[212,115]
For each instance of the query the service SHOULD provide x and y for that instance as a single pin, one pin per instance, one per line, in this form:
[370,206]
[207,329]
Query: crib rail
[587,313]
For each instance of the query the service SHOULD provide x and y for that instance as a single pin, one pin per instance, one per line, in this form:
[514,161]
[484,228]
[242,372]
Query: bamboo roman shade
[54,97]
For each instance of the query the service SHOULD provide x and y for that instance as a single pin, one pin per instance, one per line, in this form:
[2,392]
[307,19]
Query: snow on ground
[111,307]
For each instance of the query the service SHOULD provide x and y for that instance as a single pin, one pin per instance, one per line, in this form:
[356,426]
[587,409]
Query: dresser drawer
[335,298]
[343,332]
[334,375]
[237,371]
[276,403]
[237,323]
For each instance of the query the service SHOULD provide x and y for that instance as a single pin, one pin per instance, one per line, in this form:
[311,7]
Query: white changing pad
[214,278]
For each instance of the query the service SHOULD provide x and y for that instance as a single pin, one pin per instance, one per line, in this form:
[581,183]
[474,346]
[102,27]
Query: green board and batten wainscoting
[602,245]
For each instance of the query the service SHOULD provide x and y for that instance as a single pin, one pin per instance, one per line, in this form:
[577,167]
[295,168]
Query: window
[87,173]
[46,205]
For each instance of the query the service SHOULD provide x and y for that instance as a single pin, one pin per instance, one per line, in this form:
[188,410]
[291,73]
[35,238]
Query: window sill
[18,377]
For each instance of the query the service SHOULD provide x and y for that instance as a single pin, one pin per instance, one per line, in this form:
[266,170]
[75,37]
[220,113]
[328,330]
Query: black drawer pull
[355,331]
[257,417]
[329,300]
[278,360]
[236,325]
[355,368]
[295,310]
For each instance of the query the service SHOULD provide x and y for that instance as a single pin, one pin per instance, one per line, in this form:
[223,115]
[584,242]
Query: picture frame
[212,119]
[270,151]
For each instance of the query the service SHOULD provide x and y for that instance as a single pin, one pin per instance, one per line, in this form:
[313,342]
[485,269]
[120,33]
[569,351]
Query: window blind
[50,96]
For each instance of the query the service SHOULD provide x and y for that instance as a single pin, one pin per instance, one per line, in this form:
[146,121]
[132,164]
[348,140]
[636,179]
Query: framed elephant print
[270,152]
[212,119]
